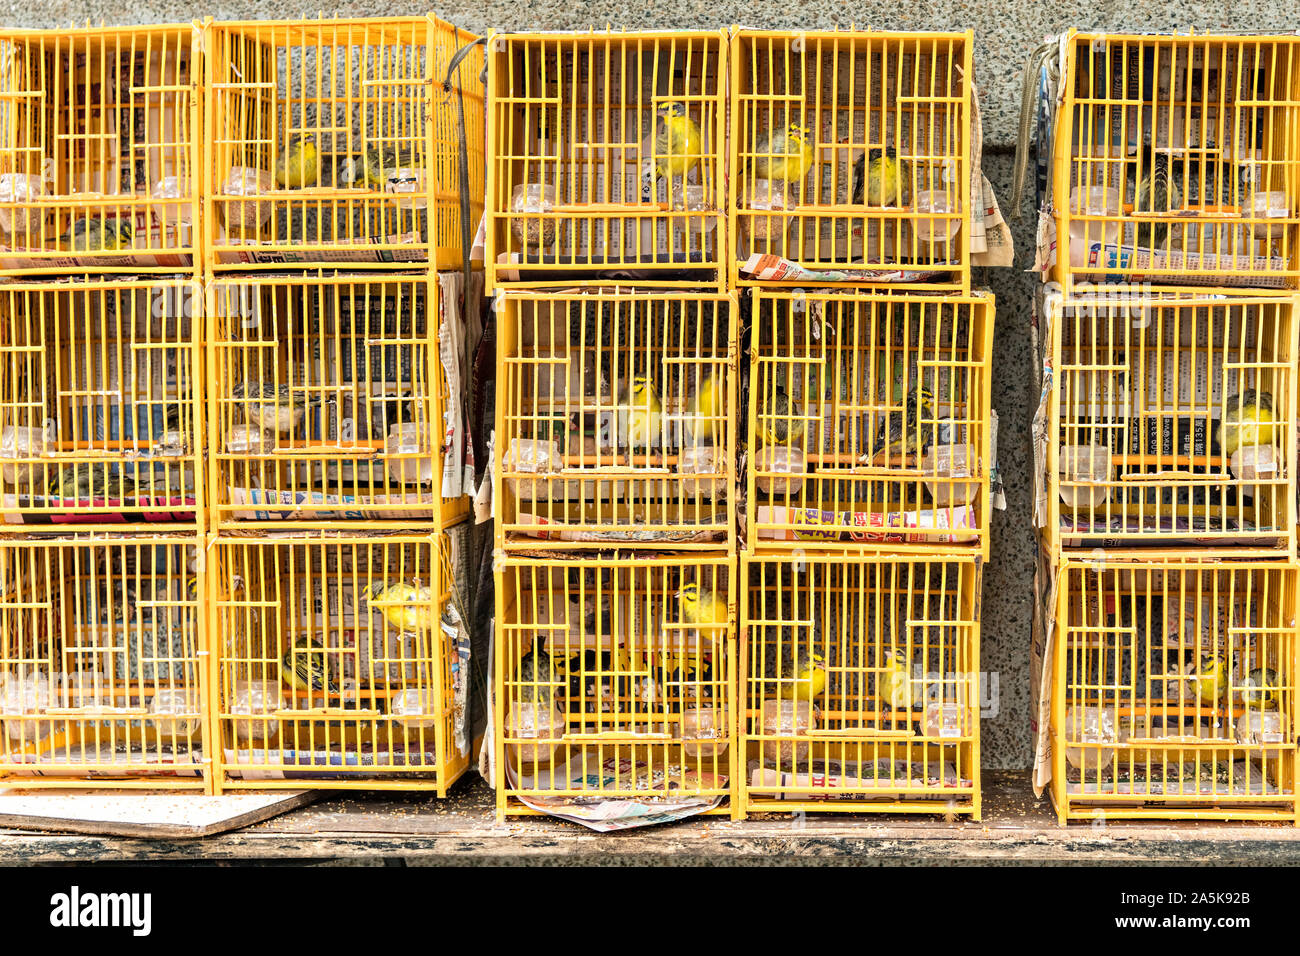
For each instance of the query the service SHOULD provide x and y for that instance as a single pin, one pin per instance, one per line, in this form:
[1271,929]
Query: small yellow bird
[300,165]
[644,416]
[407,607]
[703,410]
[1247,420]
[1210,682]
[806,681]
[105,234]
[701,606]
[895,685]
[885,183]
[780,424]
[788,155]
[375,167]
[1261,690]
[677,148]
[303,668]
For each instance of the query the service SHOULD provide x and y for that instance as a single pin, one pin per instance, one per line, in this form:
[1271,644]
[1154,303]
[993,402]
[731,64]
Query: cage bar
[613,680]
[100,404]
[614,419]
[851,151]
[605,154]
[102,647]
[330,400]
[343,662]
[869,420]
[860,683]
[1177,160]
[337,142]
[99,155]
[1171,422]
[1174,690]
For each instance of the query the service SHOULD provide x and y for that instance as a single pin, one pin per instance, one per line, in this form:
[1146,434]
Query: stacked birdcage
[342,158]
[1167,441]
[869,434]
[101,433]
[615,444]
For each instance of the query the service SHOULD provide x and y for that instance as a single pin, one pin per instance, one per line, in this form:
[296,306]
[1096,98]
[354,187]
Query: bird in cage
[169,437]
[1210,680]
[1261,690]
[1159,191]
[276,409]
[677,145]
[787,155]
[779,423]
[805,675]
[376,166]
[894,684]
[303,667]
[407,607]
[1247,420]
[89,480]
[114,601]
[910,431]
[705,406]
[536,677]
[644,418]
[700,605]
[98,234]
[299,165]
[882,173]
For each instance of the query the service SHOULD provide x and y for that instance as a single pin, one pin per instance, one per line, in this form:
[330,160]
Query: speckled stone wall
[1005,33]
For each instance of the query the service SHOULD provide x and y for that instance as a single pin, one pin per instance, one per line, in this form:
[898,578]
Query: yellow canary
[788,155]
[702,606]
[1261,690]
[677,148]
[375,166]
[106,234]
[1210,682]
[912,430]
[704,409]
[645,415]
[1247,420]
[407,607]
[894,685]
[883,175]
[779,424]
[805,680]
[90,480]
[299,166]
[303,668]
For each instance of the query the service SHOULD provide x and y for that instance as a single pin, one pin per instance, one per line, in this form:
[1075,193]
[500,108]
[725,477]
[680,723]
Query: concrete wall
[1005,34]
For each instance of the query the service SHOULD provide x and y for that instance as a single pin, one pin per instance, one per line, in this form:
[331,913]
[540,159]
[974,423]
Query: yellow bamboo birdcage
[99,158]
[614,419]
[101,653]
[605,156]
[852,150]
[336,141]
[869,419]
[1172,421]
[1174,690]
[329,401]
[860,683]
[100,404]
[340,662]
[1177,159]
[613,679]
